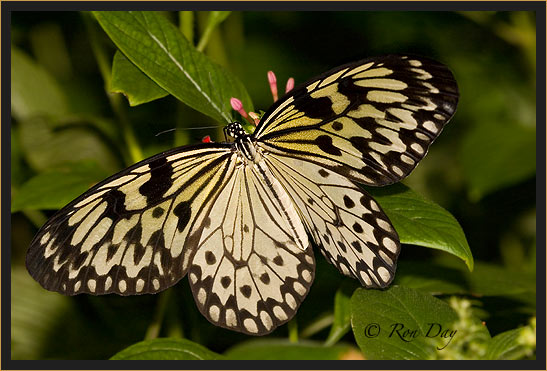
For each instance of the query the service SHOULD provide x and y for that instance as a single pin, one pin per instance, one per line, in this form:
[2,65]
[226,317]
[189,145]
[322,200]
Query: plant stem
[186,25]
[115,99]
[154,328]
[293,330]
[316,326]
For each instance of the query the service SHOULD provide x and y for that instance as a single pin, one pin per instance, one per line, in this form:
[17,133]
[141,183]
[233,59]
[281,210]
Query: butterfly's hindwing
[349,227]
[250,273]
[371,121]
[132,233]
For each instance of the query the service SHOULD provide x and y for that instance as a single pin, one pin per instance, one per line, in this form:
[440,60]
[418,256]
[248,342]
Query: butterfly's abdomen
[284,202]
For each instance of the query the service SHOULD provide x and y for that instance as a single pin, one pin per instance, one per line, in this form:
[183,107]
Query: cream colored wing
[250,273]
[371,121]
[350,228]
[135,232]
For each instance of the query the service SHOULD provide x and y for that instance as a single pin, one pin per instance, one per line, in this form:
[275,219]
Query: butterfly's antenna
[195,128]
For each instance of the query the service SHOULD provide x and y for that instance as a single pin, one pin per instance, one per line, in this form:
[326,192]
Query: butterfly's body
[240,218]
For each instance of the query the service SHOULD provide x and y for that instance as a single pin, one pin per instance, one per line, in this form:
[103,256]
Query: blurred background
[68,132]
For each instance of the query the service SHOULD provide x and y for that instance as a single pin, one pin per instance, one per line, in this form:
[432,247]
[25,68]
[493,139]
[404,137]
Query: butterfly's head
[235,130]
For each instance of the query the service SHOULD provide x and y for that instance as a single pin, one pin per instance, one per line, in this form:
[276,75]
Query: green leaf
[507,156]
[215,18]
[448,276]
[53,189]
[18,172]
[132,82]
[35,314]
[398,323]
[494,280]
[506,345]
[34,92]
[342,312]
[277,349]
[421,222]
[158,48]
[47,145]
[166,349]
[432,278]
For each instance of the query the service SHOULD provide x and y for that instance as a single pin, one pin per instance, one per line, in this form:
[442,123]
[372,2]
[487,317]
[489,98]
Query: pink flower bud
[255,117]
[238,106]
[273,84]
[290,85]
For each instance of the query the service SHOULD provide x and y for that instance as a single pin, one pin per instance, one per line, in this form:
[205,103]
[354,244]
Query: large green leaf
[133,83]
[46,145]
[166,349]
[53,189]
[496,156]
[34,92]
[268,349]
[399,323]
[419,221]
[158,48]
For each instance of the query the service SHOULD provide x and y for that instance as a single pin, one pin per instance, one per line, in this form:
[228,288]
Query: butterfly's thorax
[247,148]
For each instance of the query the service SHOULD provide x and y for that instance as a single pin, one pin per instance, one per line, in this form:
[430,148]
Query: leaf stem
[115,99]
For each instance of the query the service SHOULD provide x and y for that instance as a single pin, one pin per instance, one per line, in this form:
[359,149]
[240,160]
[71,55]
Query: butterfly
[239,218]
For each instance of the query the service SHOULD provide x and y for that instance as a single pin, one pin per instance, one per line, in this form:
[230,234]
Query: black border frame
[9,6]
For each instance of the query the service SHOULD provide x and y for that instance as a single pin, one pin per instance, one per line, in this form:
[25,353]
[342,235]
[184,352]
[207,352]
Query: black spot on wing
[158,211]
[324,173]
[210,258]
[183,212]
[324,142]
[278,260]
[318,108]
[138,253]
[246,290]
[348,202]
[115,204]
[357,246]
[160,180]
[337,126]
[225,281]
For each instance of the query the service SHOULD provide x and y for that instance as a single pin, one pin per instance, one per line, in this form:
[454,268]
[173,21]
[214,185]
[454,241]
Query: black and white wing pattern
[135,232]
[250,272]
[349,227]
[371,121]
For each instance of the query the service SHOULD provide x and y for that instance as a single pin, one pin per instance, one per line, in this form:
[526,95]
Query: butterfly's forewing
[135,232]
[250,273]
[349,227]
[371,121]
